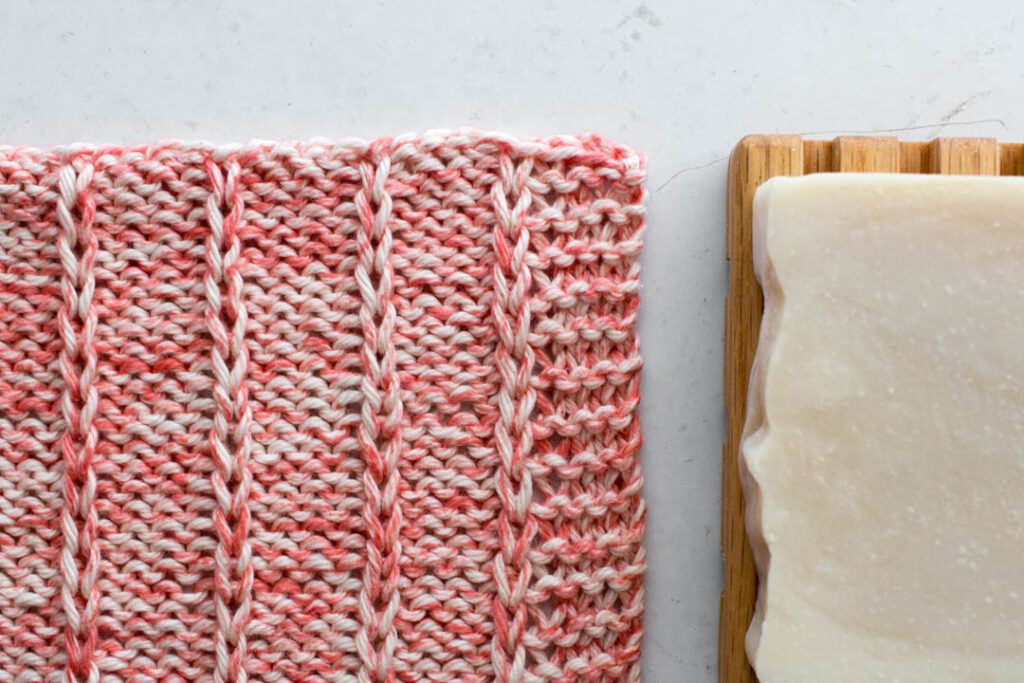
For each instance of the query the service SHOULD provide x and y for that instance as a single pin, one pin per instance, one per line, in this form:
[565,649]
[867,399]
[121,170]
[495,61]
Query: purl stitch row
[357,411]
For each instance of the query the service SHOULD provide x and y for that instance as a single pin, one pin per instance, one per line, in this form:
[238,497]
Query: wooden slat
[965,156]
[755,159]
[915,157]
[817,156]
[1011,158]
[864,154]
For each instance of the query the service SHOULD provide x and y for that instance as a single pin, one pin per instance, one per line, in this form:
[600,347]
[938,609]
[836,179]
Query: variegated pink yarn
[331,411]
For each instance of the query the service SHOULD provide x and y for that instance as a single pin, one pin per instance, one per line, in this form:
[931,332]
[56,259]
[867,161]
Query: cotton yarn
[347,411]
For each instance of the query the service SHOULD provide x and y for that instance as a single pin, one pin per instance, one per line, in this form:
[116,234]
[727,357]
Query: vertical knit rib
[516,398]
[77,247]
[380,429]
[230,438]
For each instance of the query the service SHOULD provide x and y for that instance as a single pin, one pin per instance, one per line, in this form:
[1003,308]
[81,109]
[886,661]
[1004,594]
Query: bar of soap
[883,452]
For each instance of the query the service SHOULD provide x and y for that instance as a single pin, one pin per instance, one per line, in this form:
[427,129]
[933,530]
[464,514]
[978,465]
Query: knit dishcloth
[327,411]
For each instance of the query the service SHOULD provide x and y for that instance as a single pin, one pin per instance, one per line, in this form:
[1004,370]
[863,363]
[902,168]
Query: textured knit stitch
[356,411]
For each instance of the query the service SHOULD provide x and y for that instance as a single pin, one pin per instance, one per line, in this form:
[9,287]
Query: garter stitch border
[346,411]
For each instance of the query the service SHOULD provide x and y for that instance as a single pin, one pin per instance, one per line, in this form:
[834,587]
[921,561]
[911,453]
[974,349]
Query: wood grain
[1011,158]
[755,159]
[915,157]
[857,154]
[965,156]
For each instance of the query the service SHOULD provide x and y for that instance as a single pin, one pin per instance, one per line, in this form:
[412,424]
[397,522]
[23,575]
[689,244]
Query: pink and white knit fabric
[331,411]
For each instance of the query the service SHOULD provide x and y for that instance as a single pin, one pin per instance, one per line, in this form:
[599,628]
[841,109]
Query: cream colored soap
[883,457]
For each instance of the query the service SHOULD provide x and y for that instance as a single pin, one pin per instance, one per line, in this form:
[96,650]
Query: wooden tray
[755,159]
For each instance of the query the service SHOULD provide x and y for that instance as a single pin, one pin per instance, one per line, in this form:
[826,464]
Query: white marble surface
[681,81]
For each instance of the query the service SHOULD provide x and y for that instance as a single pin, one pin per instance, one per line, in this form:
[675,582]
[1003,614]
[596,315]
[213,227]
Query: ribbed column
[513,439]
[79,562]
[230,437]
[379,432]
